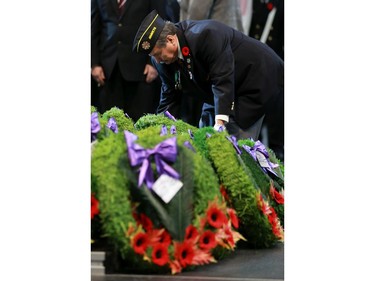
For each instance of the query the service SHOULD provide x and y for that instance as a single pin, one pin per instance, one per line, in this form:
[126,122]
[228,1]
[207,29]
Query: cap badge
[146,45]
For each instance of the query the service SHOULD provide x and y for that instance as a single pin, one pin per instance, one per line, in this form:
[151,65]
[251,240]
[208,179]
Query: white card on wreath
[262,159]
[166,187]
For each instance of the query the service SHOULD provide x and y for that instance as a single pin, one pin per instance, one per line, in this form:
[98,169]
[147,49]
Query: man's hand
[98,74]
[150,72]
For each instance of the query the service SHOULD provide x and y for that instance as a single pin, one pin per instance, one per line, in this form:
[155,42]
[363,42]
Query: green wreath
[131,215]
[158,120]
[214,162]
[260,224]
[270,184]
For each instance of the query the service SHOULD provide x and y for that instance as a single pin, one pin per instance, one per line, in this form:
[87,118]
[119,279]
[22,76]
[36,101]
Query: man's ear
[171,38]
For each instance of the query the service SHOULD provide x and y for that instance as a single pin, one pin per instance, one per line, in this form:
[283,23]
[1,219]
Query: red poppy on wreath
[263,205]
[160,254]
[146,222]
[278,230]
[215,217]
[278,197]
[272,216]
[94,206]
[184,253]
[175,267]
[207,240]
[185,51]
[140,243]
[233,217]
[269,6]
[202,223]
[224,193]
[165,238]
[191,233]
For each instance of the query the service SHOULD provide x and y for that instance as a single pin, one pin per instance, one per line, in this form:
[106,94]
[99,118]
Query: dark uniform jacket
[112,35]
[226,66]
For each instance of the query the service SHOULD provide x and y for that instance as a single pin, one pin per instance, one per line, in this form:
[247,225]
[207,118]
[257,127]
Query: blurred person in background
[123,79]
[225,11]
[267,26]
[173,10]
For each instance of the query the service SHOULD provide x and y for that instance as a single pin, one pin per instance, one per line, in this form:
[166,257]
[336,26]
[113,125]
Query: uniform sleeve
[217,55]
[169,97]
[95,33]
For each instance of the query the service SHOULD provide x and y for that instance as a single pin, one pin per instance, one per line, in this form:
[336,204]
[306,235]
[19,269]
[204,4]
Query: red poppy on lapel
[185,51]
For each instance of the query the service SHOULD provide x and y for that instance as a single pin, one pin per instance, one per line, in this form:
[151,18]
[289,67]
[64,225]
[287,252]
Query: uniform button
[256,36]
[269,38]
[271,27]
[120,24]
[119,42]
[257,26]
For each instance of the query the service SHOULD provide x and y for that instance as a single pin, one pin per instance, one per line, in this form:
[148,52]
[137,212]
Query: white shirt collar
[180,56]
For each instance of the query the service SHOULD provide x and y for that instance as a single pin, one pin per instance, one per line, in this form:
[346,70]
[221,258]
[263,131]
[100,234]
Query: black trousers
[274,121]
[136,98]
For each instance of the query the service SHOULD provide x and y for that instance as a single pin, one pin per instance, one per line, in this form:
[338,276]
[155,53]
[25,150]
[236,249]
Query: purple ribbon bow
[164,152]
[260,154]
[95,125]
[112,125]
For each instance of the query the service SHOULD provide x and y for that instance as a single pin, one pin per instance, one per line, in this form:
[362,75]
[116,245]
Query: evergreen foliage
[108,165]
[200,137]
[263,180]
[123,122]
[254,225]
[155,120]
[212,162]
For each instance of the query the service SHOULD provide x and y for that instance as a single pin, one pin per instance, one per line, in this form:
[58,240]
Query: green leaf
[180,207]
[157,205]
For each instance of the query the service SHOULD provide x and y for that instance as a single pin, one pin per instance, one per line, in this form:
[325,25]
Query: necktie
[121,5]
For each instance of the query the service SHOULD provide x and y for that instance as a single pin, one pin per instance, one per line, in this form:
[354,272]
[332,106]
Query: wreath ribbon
[164,152]
[260,148]
[233,140]
[112,125]
[95,125]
